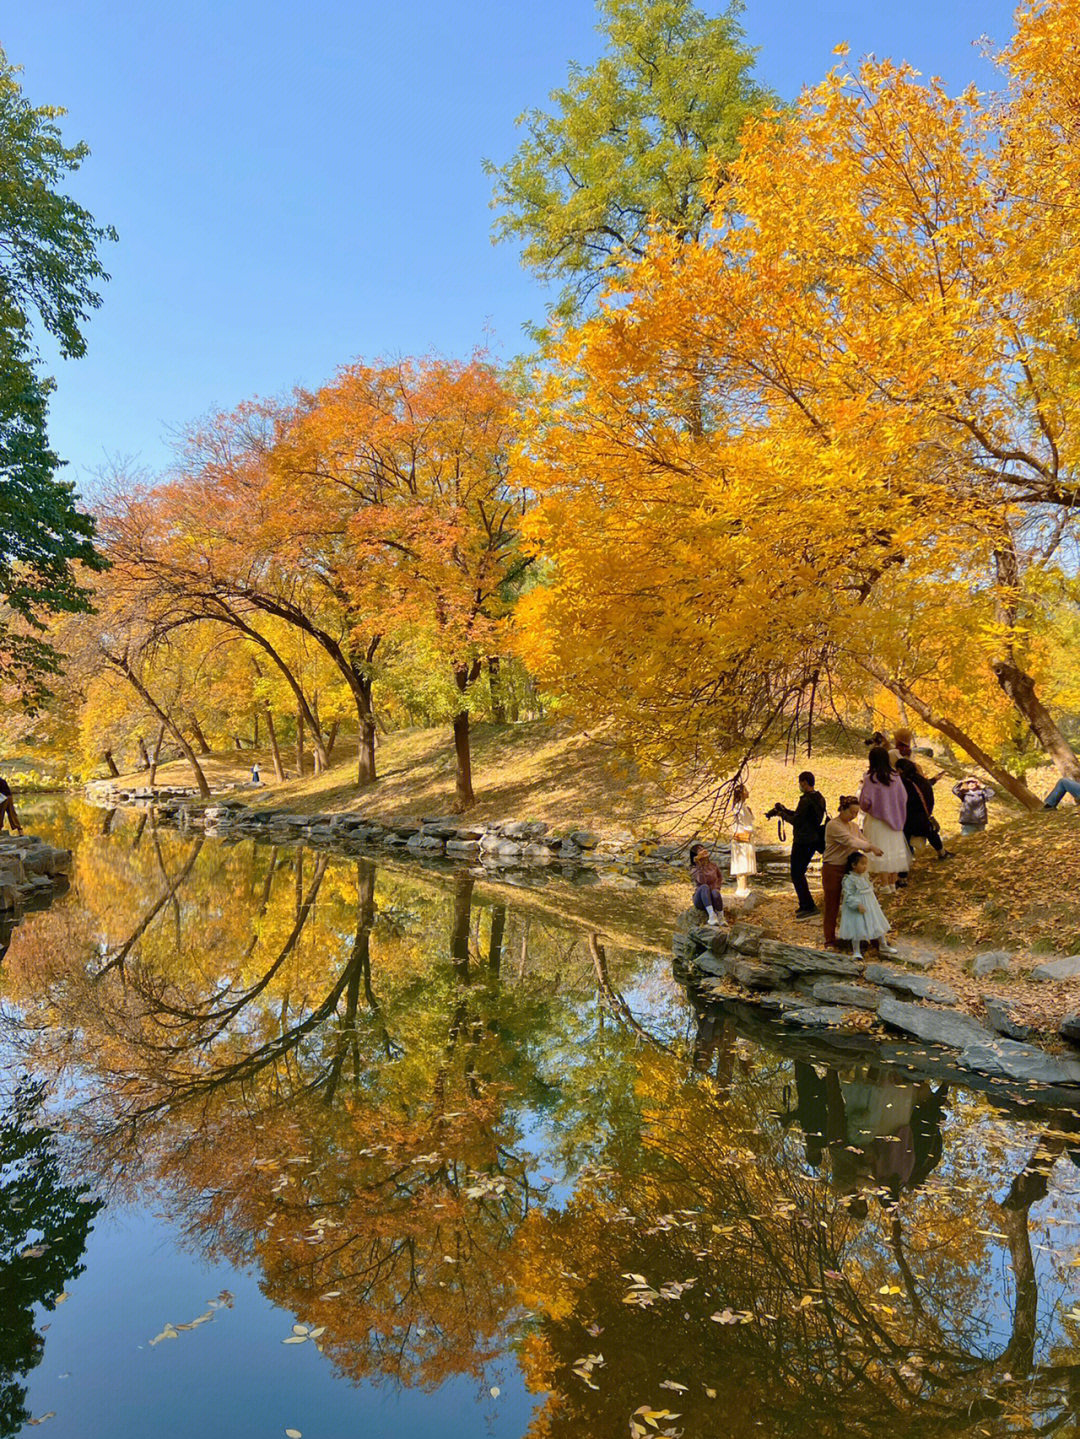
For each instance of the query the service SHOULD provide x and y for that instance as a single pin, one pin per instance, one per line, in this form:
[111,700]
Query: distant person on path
[1061,789]
[973,795]
[920,822]
[255,777]
[843,838]
[862,919]
[7,808]
[807,821]
[705,873]
[883,799]
[743,854]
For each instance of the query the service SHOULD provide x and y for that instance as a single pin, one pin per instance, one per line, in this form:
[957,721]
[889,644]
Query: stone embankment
[529,844]
[813,989]
[31,872]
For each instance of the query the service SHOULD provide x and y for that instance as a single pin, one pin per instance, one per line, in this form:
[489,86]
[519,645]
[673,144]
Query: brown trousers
[832,878]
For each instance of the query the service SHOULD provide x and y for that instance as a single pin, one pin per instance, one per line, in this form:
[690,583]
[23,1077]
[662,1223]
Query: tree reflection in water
[44,1223]
[436,1125]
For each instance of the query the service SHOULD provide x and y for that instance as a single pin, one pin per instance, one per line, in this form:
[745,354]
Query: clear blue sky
[296,184]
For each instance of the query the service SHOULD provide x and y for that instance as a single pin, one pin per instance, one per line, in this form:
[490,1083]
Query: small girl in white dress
[861,917]
[743,854]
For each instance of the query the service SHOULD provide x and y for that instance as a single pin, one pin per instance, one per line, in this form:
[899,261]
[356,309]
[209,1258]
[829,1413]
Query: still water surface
[489,1172]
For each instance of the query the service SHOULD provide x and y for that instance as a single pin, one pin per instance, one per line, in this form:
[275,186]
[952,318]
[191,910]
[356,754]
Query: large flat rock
[933,1026]
[819,1016]
[1012,1060]
[807,961]
[1066,968]
[854,996]
[919,986]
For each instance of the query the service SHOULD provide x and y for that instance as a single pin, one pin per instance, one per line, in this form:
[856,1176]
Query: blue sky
[296,184]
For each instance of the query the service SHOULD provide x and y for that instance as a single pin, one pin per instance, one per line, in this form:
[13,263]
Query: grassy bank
[549,770]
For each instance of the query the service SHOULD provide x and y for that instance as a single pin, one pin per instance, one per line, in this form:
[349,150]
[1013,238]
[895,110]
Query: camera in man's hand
[773,813]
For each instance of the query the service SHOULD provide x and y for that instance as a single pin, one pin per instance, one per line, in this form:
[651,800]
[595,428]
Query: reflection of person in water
[880,1131]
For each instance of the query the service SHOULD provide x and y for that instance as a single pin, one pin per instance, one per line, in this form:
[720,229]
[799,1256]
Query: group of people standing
[866,848]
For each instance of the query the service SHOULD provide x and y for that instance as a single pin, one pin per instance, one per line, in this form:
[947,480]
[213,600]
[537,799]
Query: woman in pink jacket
[883,800]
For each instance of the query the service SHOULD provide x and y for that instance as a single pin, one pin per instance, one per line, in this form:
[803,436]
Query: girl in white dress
[861,917]
[743,854]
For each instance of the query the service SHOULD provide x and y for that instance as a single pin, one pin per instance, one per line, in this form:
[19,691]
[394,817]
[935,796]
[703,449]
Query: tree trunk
[1016,787]
[459,934]
[464,675]
[498,705]
[200,738]
[299,744]
[1020,688]
[331,739]
[365,760]
[156,755]
[275,752]
[495,939]
[143,755]
[110,763]
[1014,680]
[121,663]
[464,798]
[255,730]
[238,743]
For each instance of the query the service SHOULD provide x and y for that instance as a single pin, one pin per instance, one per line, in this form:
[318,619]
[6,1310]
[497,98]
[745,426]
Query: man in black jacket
[806,820]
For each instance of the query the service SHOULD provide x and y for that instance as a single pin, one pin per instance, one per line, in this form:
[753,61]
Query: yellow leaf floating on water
[295,1339]
[494,1391]
[293,1434]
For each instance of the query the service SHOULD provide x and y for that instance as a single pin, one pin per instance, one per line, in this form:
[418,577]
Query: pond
[301,1143]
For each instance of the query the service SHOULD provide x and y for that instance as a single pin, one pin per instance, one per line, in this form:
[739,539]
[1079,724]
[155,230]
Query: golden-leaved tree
[773,447]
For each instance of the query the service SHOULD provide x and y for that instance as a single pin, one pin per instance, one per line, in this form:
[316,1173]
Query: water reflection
[442,1126]
[44,1224]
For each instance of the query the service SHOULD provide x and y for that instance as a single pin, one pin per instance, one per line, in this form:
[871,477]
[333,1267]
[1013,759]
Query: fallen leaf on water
[293,1434]
[299,1329]
[316,1333]
[169,1332]
[50,1414]
[295,1339]
[671,1384]
[495,1391]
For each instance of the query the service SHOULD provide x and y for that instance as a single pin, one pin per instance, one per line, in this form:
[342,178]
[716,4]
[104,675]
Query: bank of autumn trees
[816,448]
[303,552]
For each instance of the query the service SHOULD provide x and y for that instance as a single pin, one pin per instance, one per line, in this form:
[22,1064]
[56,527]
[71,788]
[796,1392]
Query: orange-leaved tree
[408,466]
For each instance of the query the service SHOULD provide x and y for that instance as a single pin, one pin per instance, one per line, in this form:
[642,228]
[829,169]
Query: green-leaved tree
[50,273]
[626,145]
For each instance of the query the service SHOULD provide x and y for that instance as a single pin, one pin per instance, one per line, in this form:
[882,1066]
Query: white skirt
[743,858]
[895,857]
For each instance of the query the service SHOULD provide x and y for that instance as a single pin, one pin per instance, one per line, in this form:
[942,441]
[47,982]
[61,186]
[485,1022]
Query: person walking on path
[807,821]
[920,822]
[707,878]
[883,799]
[7,807]
[1061,789]
[843,837]
[743,854]
[973,795]
[862,920]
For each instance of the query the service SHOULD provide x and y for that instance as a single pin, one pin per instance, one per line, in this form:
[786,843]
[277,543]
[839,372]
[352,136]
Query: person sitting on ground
[883,800]
[705,873]
[973,794]
[920,822]
[843,838]
[743,861]
[806,820]
[1063,787]
[7,807]
[862,919]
